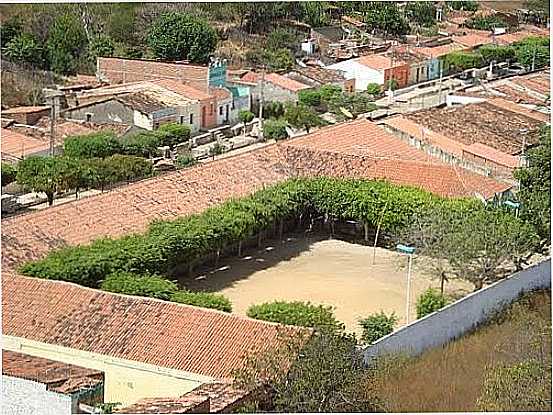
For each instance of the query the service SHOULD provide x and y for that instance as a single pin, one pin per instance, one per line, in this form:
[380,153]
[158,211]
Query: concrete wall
[111,111]
[26,397]
[362,74]
[456,319]
[126,381]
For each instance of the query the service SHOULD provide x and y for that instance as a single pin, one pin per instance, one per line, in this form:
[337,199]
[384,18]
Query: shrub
[462,60]
[311,98]
[296,313]
[485,22]
[275,130]
[186,160]
[144,286]
[91,145]
[429,301]
[202,299]
[245,116]
[143,144]
[496,53]
[377,326]
[172,134]
[9,173]
[374,89]
[274,109]
[128,168]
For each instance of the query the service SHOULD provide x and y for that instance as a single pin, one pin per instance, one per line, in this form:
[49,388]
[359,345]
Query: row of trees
[532,52]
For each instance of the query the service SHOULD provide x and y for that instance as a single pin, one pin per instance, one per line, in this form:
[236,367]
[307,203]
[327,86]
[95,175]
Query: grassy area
[453,378]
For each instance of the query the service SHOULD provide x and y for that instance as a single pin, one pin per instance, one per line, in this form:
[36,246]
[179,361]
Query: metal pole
[408,288]
[261,101]
[52,125]
[534,59]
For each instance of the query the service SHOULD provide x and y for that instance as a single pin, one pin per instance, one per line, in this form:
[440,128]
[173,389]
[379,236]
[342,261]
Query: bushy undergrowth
[429,301]
[201,299]
[377,326]
[296,313]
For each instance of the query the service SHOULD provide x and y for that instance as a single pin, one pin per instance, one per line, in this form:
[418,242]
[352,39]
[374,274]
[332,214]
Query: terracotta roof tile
[185,90]
[25,110]
[489,153]
[186,338]
[57,376]
[285,83]
[18,145]
[472,40]
[438,51]
[519,109]
[220,94]
[379,62]
[350,147]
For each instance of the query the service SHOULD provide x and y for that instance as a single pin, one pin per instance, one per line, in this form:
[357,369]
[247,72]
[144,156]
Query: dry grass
[451,378]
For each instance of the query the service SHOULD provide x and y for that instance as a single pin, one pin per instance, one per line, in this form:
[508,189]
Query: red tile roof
[220,94]
[18,145]
[519,109]
[57,376]
[167,406]
[438,51]
[285,83]
[165,334]
[472,40]
[350,147]
[250,77]
[379,62]
[25,110]
[185,90]
[489,153]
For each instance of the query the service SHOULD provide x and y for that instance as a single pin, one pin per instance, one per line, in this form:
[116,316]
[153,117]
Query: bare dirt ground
[322,271]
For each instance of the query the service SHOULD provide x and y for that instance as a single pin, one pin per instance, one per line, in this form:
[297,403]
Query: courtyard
[323,271]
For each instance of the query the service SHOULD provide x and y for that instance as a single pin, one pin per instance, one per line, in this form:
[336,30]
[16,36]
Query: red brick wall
[399,73]
[118,70]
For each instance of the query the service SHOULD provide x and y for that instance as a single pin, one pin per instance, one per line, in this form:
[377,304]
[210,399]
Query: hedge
[92,145]
[202,299]
[155,286]
[296,313]
[167,244]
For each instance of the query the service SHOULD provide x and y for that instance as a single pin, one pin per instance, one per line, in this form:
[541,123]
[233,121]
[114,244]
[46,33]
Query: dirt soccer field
[323,271]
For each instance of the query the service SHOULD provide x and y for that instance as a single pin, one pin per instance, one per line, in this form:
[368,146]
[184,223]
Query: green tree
[385,18]
[101,45]
[315,13]
[25,49]
[278,60]
[274,109]
[48,175]
[533,52]
[421,12]
[177,36]
[128,283]
[275,130]
[535,187]
[377,326]
[9,173]
[282,39]
[475,244]
[323,373]
[245,116]
[91,145]
[469,5]
[496,53]
[429,301]
[296,313]
[374,89]
[10,29]
[66,43]
[485,22]
[460,61]
[310,97]
[301,116]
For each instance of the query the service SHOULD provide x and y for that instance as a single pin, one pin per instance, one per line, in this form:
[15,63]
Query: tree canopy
[180,36]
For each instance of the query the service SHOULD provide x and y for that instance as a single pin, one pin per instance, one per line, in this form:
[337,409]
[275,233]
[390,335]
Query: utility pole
[261,102]
[53,96]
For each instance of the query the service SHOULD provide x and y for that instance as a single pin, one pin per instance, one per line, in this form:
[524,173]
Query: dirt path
[322,271]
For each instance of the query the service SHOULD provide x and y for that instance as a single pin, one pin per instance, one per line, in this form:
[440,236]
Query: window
[220,110]
[182,119]
[88,117]
[191,119]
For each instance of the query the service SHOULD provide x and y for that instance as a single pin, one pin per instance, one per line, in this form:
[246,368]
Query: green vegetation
[374,89]
[533,52]
[386,18]
[296,313]
[201,299]
[275,130]
[155,286]
[178,36]
[245,116]
[331,98]
[186,160]
[421,12]
[91,145]
[377,326]
[326,375]
[429,301]
[301,116]
[25,49]
[470,6]
[66,44]
[496,53]
[9,173]
[535,187]
[459,61]
[485,22]
[143,285]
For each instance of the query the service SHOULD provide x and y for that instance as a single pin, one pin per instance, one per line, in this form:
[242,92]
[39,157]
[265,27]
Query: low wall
[456,319]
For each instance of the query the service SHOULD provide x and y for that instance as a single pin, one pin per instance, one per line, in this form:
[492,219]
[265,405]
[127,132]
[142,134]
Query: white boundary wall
[456,319]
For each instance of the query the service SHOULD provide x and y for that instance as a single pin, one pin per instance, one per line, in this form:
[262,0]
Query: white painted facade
[362,74]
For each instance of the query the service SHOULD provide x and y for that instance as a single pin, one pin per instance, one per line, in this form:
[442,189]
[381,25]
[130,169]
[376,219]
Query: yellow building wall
[126,381]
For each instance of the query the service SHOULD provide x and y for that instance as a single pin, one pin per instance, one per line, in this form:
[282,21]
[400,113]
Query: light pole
[409,251]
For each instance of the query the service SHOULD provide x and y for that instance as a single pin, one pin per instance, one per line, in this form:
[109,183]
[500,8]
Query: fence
[456,319]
